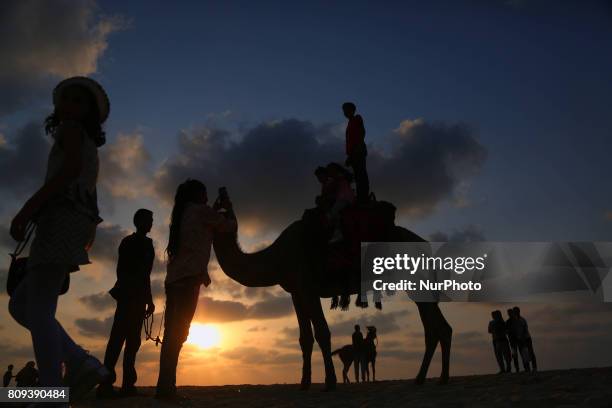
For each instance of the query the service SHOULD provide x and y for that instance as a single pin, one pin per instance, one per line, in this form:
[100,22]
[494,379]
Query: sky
[485,120]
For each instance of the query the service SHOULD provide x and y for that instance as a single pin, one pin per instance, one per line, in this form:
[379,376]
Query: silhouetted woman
[192,226]
[65,213]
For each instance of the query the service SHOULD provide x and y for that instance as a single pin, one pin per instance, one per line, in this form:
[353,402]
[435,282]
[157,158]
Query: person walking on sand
[65,213]
[497,328]
[192,225]
[356,150]
[525,343]
[134,303]
[8,375]
[357,352]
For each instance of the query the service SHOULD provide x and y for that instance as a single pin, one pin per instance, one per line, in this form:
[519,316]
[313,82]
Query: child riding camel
[336,194]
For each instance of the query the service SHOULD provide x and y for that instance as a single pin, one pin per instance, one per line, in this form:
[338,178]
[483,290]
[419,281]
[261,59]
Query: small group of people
[192,226]
[511,337]
[26,377]
[65,214]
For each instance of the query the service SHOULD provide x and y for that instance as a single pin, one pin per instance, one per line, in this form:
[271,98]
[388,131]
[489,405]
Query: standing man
[6,380]
[134,302]
[524,341]
[356,150]
[358,351]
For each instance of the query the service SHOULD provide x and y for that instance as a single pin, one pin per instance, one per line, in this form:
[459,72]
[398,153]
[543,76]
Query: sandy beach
[590,387]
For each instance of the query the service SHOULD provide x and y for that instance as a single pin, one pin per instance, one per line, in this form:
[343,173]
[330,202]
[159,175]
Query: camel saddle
[339,261]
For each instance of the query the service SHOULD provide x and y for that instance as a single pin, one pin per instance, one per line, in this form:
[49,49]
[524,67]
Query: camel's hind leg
[323,337]
[306,340]
[437,330]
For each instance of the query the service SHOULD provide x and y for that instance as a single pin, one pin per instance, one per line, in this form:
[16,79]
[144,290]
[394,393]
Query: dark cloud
[470,233]
[22,160]
[269,172]
[98,301]
[212,310]
[126,165]
[43,41]
[428,163]
[95,327]
[106,244]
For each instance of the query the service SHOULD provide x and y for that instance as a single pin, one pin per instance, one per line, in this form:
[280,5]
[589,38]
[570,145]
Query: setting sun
[203,335]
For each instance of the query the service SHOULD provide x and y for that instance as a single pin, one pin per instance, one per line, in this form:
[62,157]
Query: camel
[287,262]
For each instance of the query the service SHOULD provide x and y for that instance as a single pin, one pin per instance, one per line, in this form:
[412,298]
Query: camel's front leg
[306,340]
[323,337]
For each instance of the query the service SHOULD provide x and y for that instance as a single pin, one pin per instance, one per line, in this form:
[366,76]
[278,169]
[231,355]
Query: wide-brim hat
[92,86]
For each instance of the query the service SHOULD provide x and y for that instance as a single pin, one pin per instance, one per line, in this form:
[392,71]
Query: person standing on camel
[356,150]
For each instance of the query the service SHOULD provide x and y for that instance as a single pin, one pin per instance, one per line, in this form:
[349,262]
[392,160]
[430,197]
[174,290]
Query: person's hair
[357,327]
[10,367]
[188,192]
[335,167]
[31,364]
[497,314]
[510,311]
[516,310]
[349,106]
[91,123]
[140,215]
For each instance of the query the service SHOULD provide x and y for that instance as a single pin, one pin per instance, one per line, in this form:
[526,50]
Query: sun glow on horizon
[203,335]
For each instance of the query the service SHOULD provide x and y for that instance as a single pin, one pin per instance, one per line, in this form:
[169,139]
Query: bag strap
[21,245]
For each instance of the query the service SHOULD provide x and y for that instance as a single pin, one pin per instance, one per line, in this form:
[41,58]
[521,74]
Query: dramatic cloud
[427,163]
[269,171]
[98,301]
[216,311]
[123,163]
[22,160]
[95,327]
[106,244]
[43,41]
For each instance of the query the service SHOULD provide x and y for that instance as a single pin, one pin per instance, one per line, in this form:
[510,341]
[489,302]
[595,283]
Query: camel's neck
[262,268]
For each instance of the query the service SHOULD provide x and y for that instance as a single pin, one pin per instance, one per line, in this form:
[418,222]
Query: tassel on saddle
[344,302]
